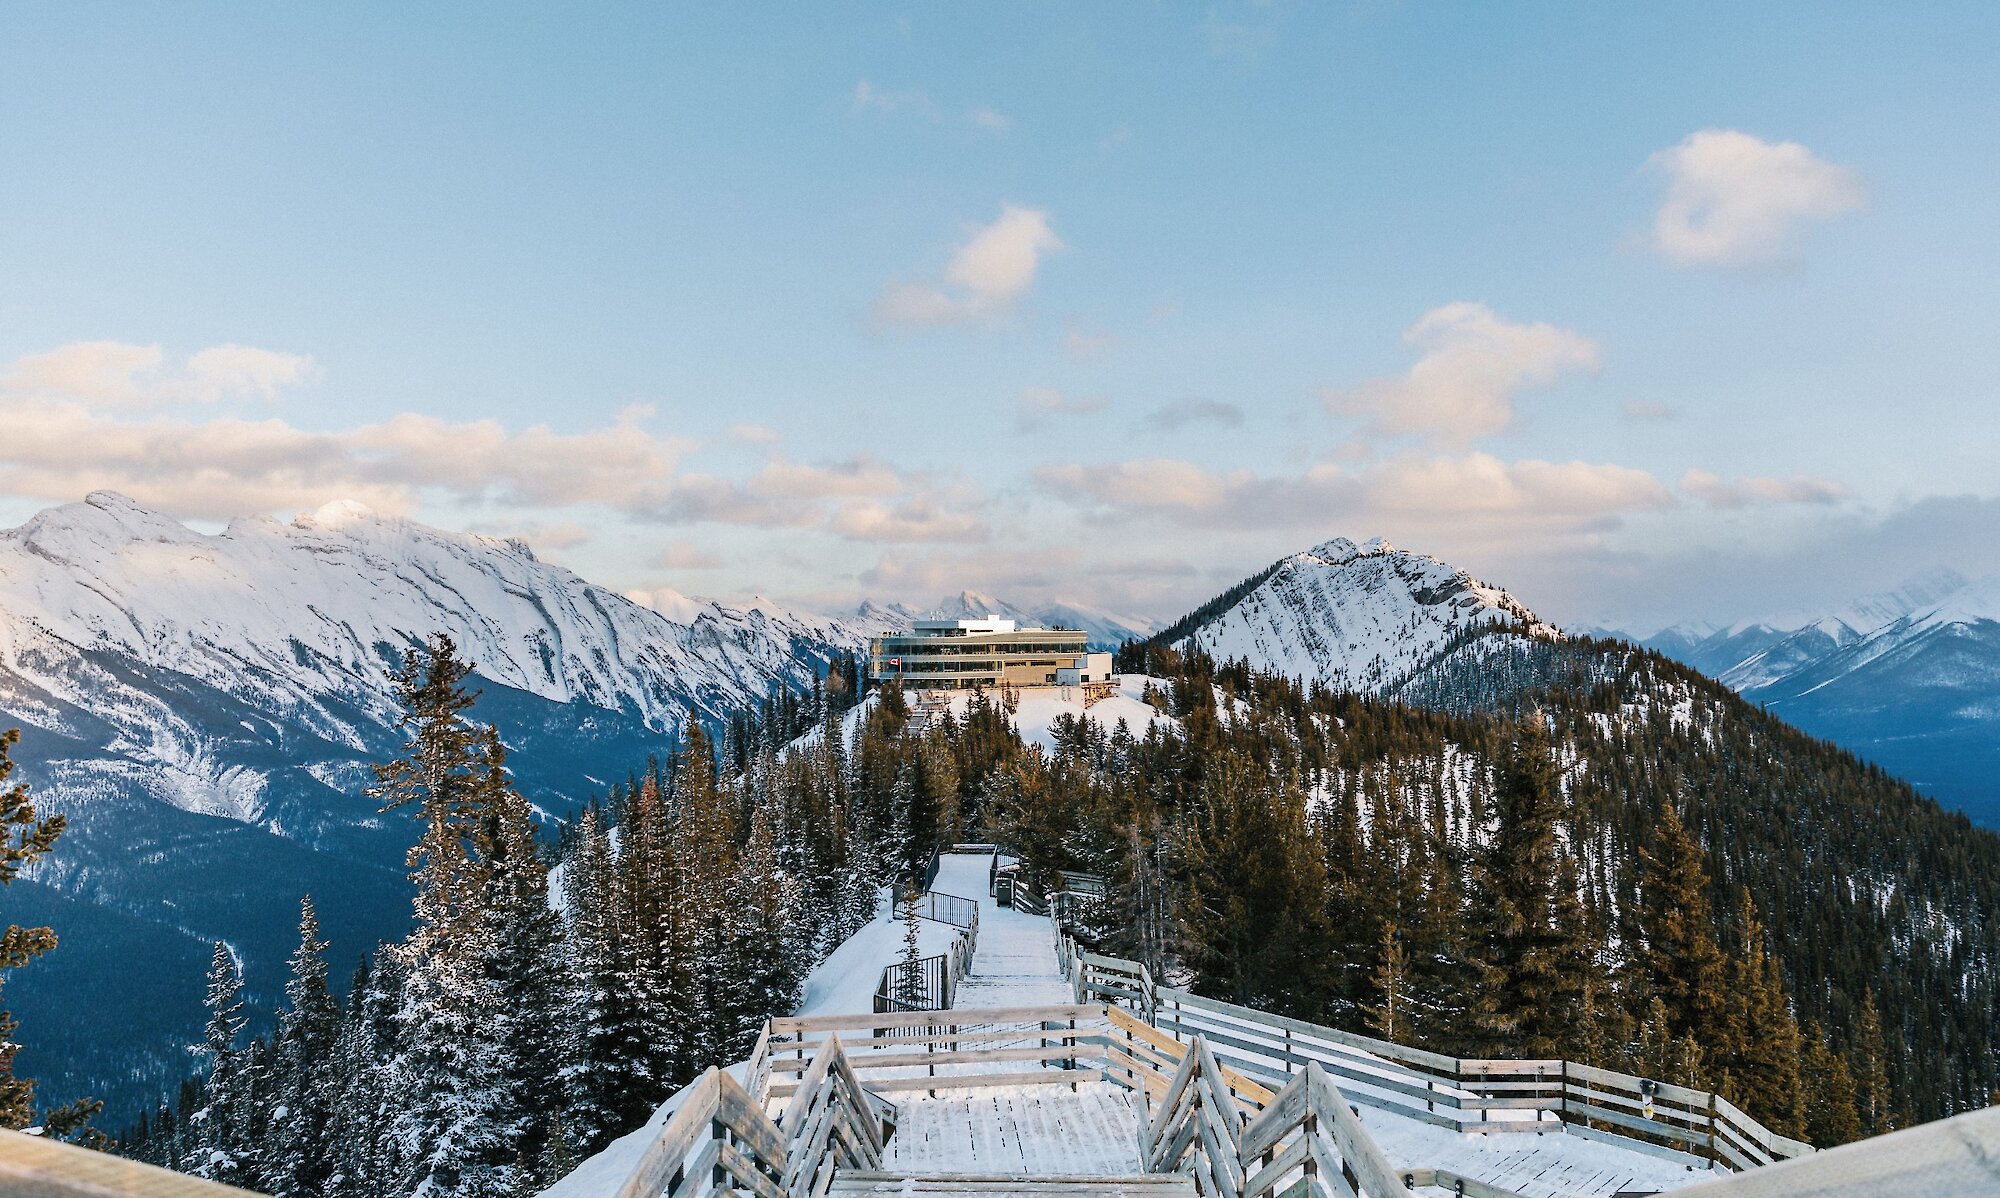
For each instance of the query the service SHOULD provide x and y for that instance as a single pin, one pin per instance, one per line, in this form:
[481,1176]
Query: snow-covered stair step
[979,1185]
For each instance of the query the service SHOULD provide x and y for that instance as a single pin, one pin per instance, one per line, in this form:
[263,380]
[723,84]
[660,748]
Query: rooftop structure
[993,652]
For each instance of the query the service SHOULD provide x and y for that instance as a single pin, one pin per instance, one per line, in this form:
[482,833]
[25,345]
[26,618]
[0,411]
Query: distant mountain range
[205,708]
[1908,679]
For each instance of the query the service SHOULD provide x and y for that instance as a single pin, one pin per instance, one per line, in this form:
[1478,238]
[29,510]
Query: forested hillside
[1633,868]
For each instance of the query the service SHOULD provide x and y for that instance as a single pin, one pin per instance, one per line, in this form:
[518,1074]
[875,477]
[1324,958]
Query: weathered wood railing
[721,1140]
[1493,1096]
[38,1167]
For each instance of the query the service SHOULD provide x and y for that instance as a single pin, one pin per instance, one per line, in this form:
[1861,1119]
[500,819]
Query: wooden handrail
[38,1167]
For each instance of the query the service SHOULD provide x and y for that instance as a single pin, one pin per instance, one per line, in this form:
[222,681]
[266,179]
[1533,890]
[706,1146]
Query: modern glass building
[961,654]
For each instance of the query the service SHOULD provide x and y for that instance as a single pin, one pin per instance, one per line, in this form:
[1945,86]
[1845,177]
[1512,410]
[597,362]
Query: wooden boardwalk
[1032,1130]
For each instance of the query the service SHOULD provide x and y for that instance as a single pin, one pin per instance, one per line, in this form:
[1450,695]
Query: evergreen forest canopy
[1626,866]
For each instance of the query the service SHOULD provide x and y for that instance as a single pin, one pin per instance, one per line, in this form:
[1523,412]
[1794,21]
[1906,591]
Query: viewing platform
[1057,1071]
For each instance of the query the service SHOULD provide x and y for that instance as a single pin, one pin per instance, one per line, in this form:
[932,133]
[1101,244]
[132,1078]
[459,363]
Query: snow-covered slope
[1365,618]
[204,707]
[1909,678]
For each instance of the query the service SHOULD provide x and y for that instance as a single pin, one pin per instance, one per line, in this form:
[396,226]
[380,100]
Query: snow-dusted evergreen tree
[219,1147]
[457,1123]
[768,941]
[367,1155]
[299,1154]
[600,1020]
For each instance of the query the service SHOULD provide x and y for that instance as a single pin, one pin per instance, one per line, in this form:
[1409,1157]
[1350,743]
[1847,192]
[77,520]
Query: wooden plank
[977,1081]
[37,1167]
[746,1172]
[677,1138]
[1267,1178]
[1364,1158]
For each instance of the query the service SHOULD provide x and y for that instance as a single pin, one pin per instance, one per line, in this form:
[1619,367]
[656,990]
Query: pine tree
[26,836]
[909,992]
[600,1028]
[219,1144]
[1874,1100]
[1388,1017]
[300,1156]
[456,1121]
[1763,1065]
[1683,967]
[1533,954]
[1829,1089]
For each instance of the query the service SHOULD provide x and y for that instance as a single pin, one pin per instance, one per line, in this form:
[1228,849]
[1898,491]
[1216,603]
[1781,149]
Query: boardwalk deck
[1039,1130]
[1016,962]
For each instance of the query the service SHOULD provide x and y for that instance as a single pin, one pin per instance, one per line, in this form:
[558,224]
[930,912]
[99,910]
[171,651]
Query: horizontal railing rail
[1491,1096]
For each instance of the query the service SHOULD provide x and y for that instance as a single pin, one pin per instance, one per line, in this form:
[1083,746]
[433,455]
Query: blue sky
[1645,312]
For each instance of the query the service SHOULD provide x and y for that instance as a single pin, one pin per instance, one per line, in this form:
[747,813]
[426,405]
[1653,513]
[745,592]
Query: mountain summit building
[962,654]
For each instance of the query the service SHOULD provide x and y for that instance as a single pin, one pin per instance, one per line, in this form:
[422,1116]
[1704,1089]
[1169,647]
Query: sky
[1648,313]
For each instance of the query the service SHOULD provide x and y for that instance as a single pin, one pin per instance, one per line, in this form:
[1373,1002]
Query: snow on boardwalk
[1039,1131]
[1015,965]
[1553,1165]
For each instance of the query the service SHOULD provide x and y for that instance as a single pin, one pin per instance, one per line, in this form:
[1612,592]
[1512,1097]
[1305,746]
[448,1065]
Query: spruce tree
[1682,965]
[219,1147]
[26,836]
[300,1156]
[457,1123]
[1532,951]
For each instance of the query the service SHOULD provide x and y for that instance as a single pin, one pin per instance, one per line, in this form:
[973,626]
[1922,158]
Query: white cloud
[1081,345]
[1441,501]
[684,555]
[71,429]
[120,374]
[753,434]
[1463,387]
[986,276]
[1742,492]
[1734,199]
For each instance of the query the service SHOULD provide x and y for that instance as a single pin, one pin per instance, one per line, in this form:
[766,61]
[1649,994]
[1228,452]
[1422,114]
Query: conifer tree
[1830,1115]
[300,1156]
[1873,1099]
[1682,965]
[1763,1065]
[219,1148]
[26,836]
[1533,953]
[457,1123]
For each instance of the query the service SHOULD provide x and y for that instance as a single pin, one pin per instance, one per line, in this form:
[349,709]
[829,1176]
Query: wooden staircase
[982,1185]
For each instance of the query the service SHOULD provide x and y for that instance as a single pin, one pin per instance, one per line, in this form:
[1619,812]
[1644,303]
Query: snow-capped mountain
[1909,678]
[1368,618]
[204,708]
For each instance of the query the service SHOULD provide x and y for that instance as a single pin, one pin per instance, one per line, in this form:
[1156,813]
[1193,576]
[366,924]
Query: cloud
[1734,199]
[683,555]
[1644,411]
[986,276]
[1742,492]
[753,434]
[918,518]
[120,374]
[1182,413]
[1439,500]
[859,499]
[1474,364]
[72,428]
